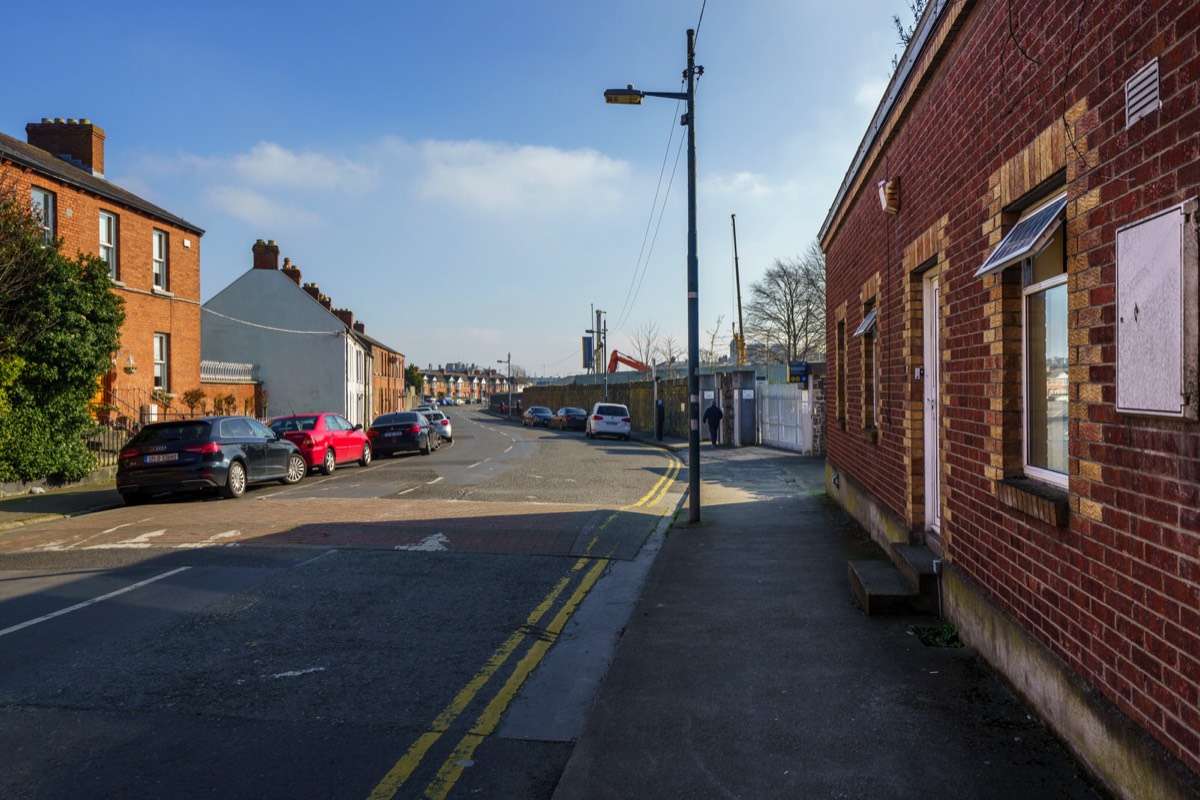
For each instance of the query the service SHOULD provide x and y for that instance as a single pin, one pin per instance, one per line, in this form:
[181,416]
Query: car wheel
[296,470]
[133,498]
[365,458]
[330,463]
[437,443]
[587,433]
[427,448]
[235,481]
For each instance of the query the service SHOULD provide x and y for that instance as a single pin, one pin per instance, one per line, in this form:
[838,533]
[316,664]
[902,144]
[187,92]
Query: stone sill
[1040,500]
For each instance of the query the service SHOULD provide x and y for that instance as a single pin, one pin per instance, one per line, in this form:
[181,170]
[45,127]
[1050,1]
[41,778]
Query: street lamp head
[628,96]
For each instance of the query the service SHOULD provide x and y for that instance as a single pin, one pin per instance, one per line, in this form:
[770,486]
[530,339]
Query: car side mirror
[358,426]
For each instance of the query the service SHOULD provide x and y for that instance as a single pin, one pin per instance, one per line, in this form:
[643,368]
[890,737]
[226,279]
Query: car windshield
[290,424]
[575,411]
[612,411]
[400,418]
[189,431]
[540,410]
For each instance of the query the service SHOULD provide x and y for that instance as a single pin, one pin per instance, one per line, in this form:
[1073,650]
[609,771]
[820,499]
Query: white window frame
[108,242]
[160,265]
[868,328]
[1057,228]
[43,202]
[162,357]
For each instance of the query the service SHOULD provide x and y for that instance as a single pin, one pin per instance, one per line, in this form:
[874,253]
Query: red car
[325,440]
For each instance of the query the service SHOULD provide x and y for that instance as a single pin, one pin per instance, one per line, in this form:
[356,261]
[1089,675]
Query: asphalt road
[425,626]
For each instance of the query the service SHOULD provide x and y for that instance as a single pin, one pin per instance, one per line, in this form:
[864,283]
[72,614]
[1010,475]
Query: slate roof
[50,165]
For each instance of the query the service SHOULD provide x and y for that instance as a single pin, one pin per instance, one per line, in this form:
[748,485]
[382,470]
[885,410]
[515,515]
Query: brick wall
[1003,108]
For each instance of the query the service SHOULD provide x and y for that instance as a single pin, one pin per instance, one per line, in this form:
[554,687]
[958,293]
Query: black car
[403,430]
[569,419]
[223,453]
[537,415]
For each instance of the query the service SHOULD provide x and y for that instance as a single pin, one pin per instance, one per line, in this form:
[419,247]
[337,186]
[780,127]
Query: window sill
[118,284]
[161,292]
[1040,500]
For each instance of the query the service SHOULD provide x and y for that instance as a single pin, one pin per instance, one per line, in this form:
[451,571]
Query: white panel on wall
[1157,314]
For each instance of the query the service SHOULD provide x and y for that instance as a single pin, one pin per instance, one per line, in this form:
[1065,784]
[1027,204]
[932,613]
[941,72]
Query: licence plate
[391,434]
[160,458]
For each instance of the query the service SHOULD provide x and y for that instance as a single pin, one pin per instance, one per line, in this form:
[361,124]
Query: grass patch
[945,635]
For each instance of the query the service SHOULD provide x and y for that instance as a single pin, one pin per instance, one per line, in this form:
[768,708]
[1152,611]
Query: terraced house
[1014,350]
[153,254]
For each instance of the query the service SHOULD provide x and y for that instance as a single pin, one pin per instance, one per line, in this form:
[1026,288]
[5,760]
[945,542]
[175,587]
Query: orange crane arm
[627,361]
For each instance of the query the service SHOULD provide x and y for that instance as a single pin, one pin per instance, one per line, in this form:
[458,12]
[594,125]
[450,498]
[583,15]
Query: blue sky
[450,171]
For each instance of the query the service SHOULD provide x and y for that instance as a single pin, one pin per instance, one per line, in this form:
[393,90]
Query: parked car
[537,415]
[403,430]
[325,440]
[441,424]
[608,419]
[223,453]
[424,407]
[569,419]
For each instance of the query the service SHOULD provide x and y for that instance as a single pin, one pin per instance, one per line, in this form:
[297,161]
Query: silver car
[440,423]
[608,419]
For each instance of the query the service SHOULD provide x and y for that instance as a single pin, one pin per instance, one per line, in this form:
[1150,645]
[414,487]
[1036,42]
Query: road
[427,626]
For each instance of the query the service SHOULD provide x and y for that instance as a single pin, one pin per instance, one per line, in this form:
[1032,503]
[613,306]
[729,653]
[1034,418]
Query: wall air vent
[1141,93]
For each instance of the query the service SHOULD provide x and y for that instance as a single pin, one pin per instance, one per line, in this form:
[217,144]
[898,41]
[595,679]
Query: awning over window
[1027,237]
[867,328]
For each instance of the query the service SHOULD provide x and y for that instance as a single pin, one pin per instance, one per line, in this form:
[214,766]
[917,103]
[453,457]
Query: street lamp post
[632,96]
[509,361]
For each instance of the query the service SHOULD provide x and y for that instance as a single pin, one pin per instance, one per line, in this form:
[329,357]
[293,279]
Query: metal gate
[785,416]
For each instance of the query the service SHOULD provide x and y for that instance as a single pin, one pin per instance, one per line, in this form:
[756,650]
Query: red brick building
[153,254]
[1014,348]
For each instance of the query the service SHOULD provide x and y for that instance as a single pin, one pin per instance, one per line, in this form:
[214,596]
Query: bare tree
[904,33]
[709,356]
[669,350]
[645,343]
[786,312]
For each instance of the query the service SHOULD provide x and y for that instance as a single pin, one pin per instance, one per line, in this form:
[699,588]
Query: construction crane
[627,361]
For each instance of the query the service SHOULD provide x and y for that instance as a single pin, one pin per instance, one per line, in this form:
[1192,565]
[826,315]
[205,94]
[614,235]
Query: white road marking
[435,480]
[210,541]
[315,558]
[136,543]
[406,491]
[476,464]
[431,544]
[127,524]
[295,673]
[93,601]
[507,449]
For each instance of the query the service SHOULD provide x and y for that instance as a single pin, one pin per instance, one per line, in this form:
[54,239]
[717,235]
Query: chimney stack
[325,301]
[345,315]
[291,271]
[266,254]
[313,291]
[76,141]
[360,328]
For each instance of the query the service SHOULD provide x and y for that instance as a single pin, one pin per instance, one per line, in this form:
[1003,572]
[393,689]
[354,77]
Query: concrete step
[880,589]
[915,563]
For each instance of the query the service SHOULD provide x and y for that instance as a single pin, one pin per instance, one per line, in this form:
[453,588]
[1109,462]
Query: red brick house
[153,254]
[1014,354]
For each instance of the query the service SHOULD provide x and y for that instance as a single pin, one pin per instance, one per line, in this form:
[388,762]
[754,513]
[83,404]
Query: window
[160,260]
[162,349]
[1045,282]
[841,372]
[1036,243]
[870,366]
[108,242]
[42,202]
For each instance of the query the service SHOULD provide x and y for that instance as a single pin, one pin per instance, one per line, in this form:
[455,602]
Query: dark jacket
[713,415]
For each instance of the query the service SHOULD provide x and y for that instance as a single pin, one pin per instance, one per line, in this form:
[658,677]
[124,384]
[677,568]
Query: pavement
[747,671]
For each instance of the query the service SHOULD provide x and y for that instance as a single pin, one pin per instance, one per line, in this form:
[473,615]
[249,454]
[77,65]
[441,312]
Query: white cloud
[870,93]
[503,179]
[268,164]
[259,210]
[743,185]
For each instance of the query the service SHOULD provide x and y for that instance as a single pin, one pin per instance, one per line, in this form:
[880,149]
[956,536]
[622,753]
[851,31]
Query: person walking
[713,416]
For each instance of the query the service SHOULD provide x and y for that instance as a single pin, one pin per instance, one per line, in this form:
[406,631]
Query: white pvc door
[933,450]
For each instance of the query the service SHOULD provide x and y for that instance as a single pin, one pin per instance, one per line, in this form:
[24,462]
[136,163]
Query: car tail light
[372,433]
[206,449]
[598,418]
[415,429]
[129,452]
[445,422]
[307,442]
[625,419]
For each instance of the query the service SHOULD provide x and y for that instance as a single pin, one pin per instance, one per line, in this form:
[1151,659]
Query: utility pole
[740,336]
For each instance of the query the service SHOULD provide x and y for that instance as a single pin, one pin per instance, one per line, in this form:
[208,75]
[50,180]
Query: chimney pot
[360,328]
[266,256]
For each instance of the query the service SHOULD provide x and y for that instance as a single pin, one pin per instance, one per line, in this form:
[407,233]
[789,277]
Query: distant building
[153,255]
[461,381]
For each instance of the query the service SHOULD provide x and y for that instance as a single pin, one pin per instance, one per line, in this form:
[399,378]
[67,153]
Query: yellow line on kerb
[654,495]
[453,766]
[403,769]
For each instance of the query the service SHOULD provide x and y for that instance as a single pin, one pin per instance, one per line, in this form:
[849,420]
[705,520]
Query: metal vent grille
[1141,93]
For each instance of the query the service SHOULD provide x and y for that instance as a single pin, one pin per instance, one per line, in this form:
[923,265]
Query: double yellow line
[489,718]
